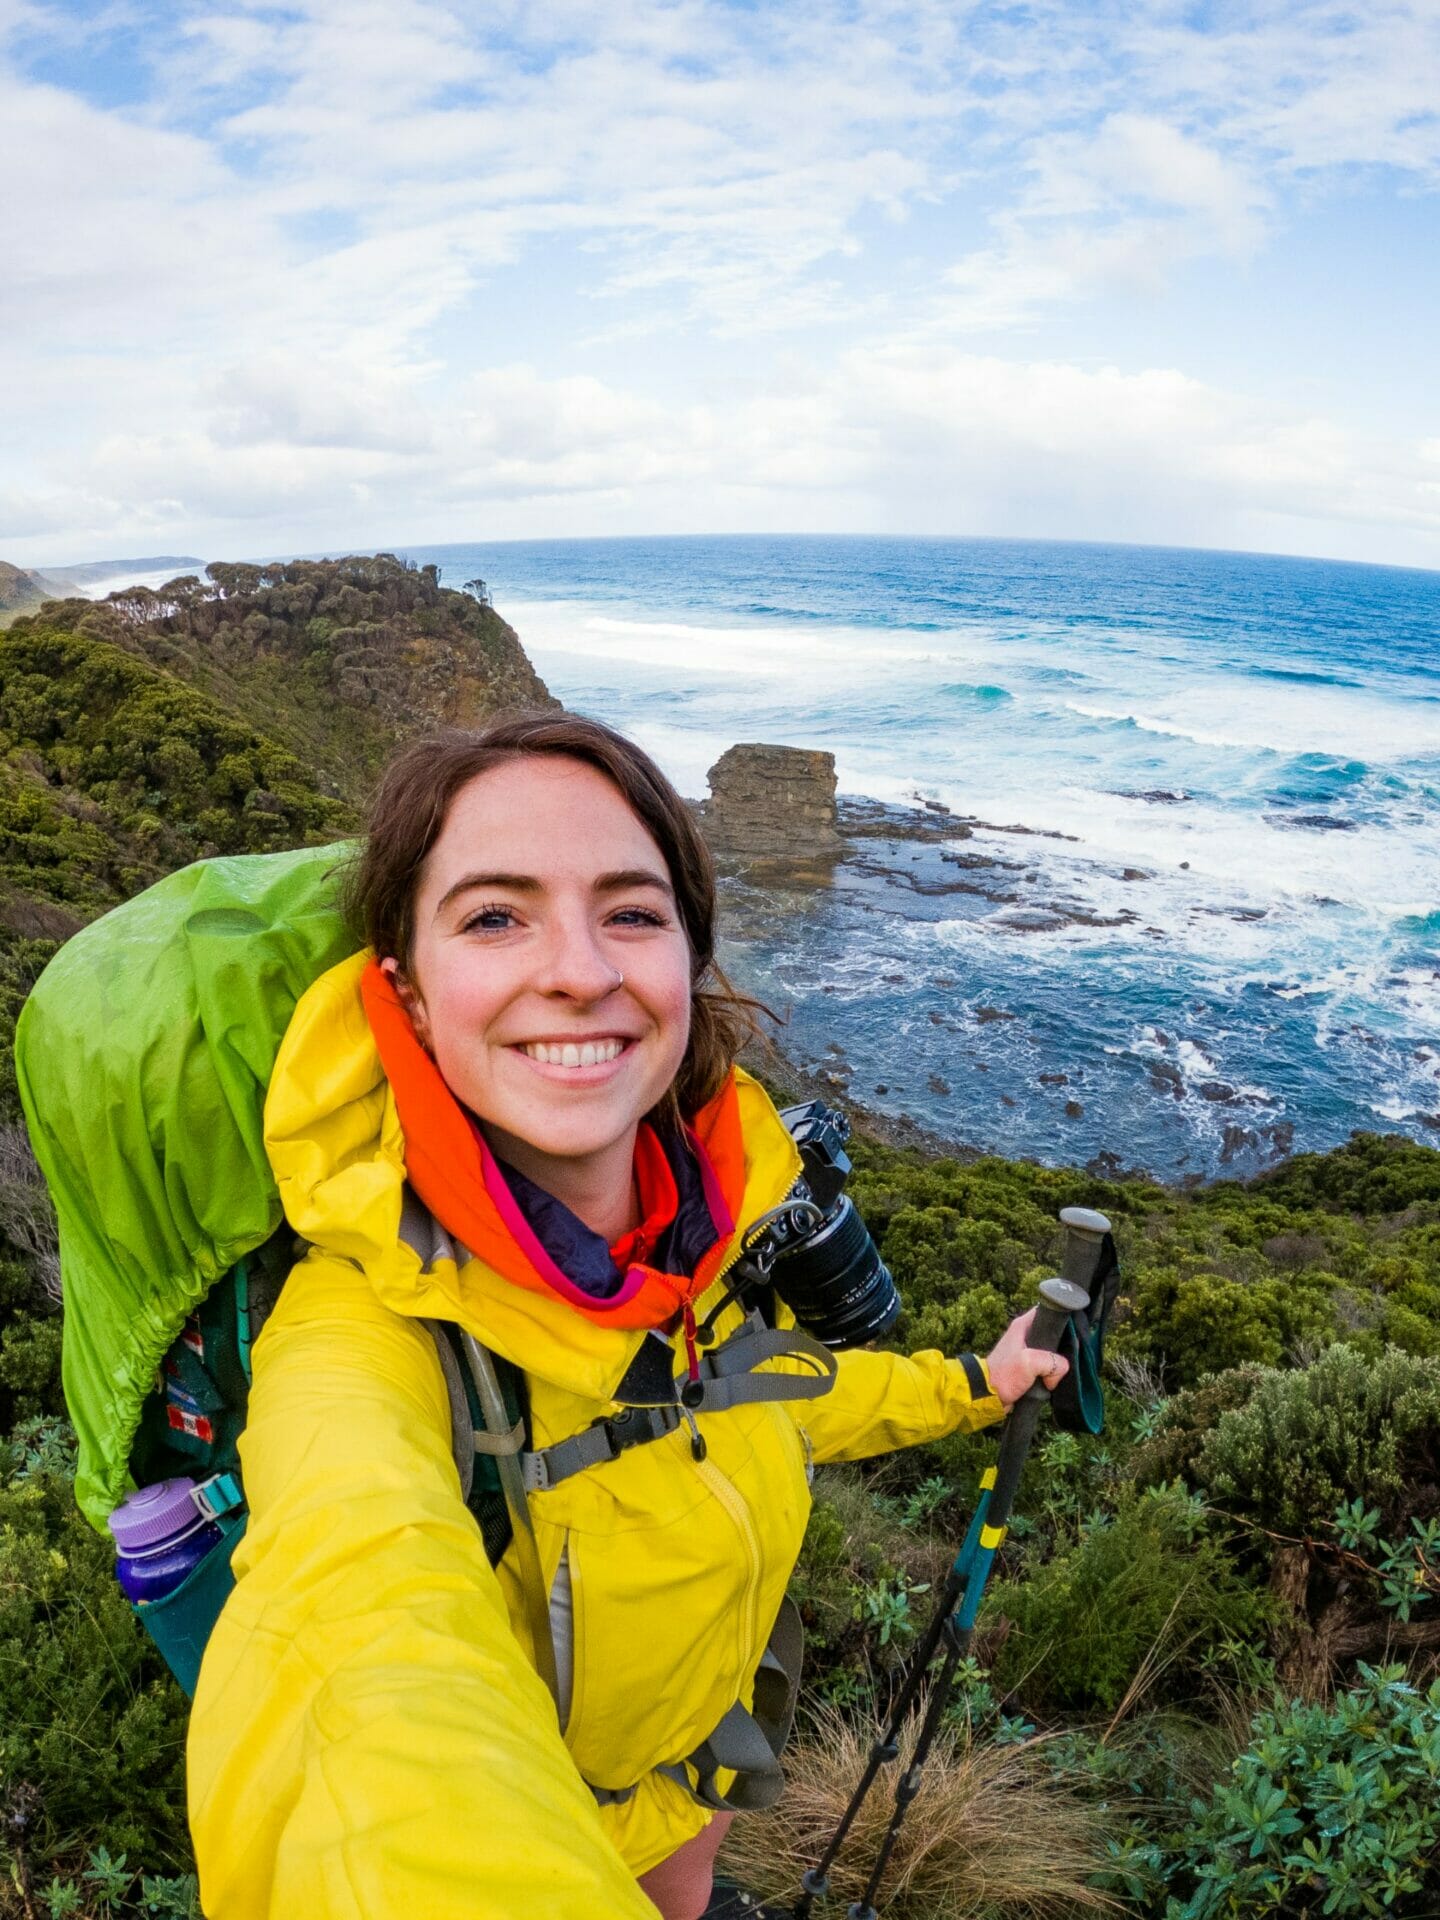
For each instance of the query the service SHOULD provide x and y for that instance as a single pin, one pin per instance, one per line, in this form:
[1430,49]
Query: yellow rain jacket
[370,1739]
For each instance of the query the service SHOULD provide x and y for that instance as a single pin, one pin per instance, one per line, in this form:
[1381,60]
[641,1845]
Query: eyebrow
[618,882]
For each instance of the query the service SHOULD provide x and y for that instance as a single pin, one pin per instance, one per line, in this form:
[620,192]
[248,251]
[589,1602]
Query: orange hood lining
[454,1173]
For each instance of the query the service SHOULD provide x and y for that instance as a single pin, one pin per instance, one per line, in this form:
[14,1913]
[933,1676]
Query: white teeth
[592,1053]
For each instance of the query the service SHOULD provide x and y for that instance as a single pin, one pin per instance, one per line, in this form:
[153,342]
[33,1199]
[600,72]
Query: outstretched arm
[369,1741]
[881,1401]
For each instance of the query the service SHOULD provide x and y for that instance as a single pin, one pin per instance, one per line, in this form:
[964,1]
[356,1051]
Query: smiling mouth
[569,1053]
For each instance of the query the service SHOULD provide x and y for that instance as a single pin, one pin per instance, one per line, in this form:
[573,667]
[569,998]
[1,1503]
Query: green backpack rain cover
[143,1056]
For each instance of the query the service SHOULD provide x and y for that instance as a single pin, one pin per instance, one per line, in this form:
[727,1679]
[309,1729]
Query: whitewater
[1226,769]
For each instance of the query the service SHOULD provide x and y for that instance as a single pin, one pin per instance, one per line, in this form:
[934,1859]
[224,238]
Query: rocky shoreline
[786,846]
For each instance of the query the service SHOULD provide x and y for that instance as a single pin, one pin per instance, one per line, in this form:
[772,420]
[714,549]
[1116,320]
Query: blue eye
[489,920]
[637,917]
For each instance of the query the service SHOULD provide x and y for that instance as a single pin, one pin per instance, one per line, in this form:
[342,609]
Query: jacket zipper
[737,1241]
[734,1503]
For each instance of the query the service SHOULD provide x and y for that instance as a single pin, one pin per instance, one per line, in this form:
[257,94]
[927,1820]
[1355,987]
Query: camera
[815,1250]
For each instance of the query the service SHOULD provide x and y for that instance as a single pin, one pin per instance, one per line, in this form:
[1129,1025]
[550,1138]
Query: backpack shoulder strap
[474,1458]
[489,1429]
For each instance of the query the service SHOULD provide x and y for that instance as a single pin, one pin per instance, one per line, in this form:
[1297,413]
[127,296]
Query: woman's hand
[1014,1367]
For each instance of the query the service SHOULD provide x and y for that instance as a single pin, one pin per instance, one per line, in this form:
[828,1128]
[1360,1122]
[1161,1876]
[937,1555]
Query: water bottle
[162,1534]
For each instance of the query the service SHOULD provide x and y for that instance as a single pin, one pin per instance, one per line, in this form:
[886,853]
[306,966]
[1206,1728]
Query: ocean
[1201,925]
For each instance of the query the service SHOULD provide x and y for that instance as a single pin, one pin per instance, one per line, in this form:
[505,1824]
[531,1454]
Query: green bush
[1213,1305]
[30,1368]
[92,1728]
[1331,1809]
[136,748]
[1347,1427]
[21,963]
[1371,1174]
[1144,1586]
[865,1578]
[335,660]
[1213,1279]
[1184,1422]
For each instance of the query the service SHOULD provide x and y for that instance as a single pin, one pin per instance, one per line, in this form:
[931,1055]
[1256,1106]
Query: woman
[518,1112]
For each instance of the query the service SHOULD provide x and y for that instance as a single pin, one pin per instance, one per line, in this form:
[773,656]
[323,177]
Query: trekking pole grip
[1058,1300]
[1084,1246]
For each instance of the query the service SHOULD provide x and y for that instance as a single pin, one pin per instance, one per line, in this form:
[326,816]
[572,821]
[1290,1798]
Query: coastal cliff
[238,715]
[335,660]
[18,590]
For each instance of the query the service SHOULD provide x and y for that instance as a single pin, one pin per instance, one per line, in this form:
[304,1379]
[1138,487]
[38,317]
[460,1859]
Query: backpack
[143,1056]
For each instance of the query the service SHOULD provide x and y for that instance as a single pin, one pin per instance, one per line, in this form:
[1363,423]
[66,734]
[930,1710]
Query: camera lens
[835,1282]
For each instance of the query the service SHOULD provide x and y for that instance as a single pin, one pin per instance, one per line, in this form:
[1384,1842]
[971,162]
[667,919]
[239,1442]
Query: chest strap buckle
[600,1442]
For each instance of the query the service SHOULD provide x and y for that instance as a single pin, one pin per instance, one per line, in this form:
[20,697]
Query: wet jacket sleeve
[368,1740]
[881,1401]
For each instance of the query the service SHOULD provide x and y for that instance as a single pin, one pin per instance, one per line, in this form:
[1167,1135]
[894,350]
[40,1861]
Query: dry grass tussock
[990,1834]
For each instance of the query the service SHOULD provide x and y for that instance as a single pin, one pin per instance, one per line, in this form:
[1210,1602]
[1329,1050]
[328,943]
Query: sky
[360,273]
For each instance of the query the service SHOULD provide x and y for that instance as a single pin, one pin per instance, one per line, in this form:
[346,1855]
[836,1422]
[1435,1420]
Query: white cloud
[905,439]
[285,400]
[289,287]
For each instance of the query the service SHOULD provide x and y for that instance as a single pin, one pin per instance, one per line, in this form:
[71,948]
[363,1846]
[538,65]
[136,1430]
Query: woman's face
[542,891]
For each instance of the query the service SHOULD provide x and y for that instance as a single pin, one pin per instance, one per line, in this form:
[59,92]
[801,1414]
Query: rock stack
[773,803]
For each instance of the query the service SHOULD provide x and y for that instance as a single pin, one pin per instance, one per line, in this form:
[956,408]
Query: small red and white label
[195,1424]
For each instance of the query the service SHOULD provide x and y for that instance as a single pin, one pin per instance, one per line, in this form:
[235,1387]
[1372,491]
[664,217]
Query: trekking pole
[954,1618]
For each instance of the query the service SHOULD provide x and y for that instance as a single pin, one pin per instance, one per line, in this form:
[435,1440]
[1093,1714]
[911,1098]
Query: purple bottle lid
[152,1514]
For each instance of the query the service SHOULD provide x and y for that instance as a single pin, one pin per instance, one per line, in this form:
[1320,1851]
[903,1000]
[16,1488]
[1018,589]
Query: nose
[576,964]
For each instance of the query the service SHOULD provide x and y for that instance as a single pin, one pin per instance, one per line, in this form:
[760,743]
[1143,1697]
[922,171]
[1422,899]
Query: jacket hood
[338,1148]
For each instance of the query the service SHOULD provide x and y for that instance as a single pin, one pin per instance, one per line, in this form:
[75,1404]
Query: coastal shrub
[1331,1809]
[333,660]
[133,740]
[959,1275]
[1215,1323]
[29,1333]
[92,1727]
[1412,1323]
[1349,1426]
[1371,1174]
[1145,1597]
[30,1369]
[1171,1450]
[1211,1279]
[52,843]
[1193,1318]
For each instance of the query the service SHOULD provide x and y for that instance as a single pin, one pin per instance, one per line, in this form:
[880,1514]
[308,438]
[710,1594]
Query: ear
[408,994]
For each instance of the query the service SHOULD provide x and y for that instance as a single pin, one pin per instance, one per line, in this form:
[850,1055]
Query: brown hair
[408,814]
